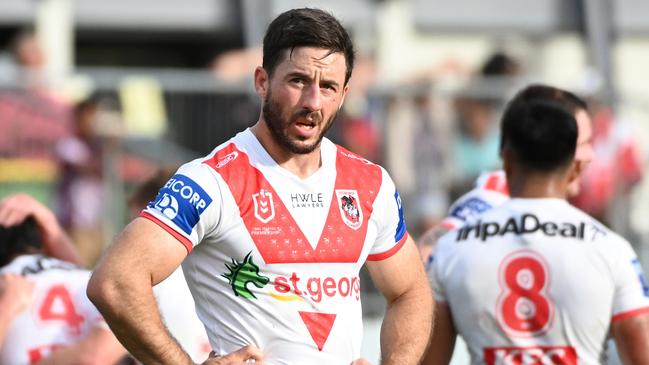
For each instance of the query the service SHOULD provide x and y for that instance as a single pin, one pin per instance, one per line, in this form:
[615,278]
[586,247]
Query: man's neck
[537,186]
[301,165]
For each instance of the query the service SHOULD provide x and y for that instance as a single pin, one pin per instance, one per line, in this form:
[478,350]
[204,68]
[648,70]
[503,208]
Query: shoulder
[345,156]
[474,203]
[355,167]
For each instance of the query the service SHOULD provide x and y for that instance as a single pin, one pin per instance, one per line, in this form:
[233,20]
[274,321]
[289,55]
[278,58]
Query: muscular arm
[100,347]
[121,288]
[631,338]
[442,341]
[408,319]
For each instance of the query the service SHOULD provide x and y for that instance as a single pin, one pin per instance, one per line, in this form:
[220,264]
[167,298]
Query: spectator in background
[45,315]
[80,196]
[475,147]
[430,156]
[501,65]
[32,116]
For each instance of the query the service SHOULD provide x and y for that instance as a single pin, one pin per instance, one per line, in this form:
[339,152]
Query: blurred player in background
[45,317]
[273,228]
[536,280]
[490,189]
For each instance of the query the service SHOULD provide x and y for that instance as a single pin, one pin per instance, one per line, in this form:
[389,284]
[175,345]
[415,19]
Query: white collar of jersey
[259,157]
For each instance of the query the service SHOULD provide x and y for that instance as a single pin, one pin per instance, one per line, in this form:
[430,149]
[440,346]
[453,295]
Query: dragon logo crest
[243,273]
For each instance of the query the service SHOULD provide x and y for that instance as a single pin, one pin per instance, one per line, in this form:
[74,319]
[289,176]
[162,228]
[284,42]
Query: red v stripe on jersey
[319,326]
[277,236]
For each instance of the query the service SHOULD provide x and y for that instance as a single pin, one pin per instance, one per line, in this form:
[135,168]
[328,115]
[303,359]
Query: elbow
[102,291]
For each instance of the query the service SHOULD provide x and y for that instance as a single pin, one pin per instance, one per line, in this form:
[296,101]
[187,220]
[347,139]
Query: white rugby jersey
[59,315]
[275,259]
[490,190]
[537,281]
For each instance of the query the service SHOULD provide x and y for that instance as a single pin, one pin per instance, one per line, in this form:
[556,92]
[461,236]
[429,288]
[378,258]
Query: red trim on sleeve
[390,252]
[186,242]
[629,314]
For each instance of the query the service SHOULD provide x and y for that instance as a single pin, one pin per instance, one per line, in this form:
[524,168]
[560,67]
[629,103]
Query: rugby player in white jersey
[272,229]
[45,316]
[535,280]
[490,189]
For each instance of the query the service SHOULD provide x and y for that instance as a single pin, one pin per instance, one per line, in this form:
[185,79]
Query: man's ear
[262,82]
[342,99]
[506,156]
[576,168]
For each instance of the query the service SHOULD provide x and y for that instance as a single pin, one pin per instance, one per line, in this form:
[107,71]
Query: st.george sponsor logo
[564,355]
[315,288]
[182,201]
[244,275]
[525,224]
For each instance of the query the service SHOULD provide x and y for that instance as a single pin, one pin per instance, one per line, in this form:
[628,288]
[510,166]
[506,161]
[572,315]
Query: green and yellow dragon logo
[243,273]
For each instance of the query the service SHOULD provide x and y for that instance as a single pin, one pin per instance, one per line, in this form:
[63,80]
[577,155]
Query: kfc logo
[350,210]
[264,207]
[557,355]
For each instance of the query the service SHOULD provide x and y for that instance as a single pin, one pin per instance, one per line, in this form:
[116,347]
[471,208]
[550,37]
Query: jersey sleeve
[631,286]
[188,205]
[392,231]
[471,205]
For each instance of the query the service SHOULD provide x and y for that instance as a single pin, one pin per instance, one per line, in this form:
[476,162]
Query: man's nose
[312,98]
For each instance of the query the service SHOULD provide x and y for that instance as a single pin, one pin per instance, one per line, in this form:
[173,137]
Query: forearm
[56,242]
[60,245]
[406,327]
[130,310]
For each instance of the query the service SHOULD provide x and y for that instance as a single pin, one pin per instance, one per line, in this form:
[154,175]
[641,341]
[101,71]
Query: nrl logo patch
[264,207]
[350,211]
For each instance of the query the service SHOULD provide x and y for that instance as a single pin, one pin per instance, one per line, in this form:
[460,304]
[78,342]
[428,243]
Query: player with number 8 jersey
[535,280]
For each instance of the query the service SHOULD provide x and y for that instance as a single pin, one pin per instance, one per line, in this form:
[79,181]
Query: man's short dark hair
[20,239]
[306,28]
[541,132]
[566,99]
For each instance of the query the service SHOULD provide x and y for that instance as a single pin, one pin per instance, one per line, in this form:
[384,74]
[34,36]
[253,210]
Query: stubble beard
[277,126]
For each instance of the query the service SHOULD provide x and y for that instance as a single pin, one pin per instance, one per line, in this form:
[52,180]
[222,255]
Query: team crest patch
[350,210]
[264,207]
